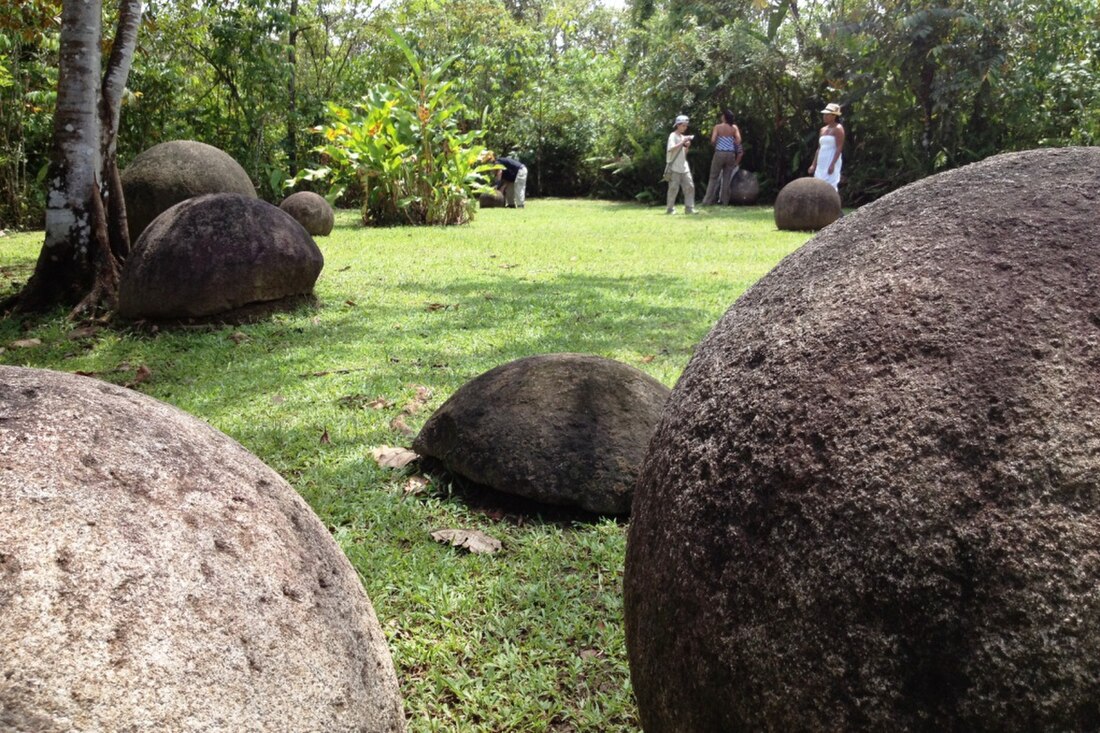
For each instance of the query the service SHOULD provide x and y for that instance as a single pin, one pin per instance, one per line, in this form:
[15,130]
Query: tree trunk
[114,84]
[86,238]
[64,270]
[292,92]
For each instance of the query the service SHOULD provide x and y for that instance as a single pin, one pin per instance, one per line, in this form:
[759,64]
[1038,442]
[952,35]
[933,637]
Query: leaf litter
[393,457]
[477,542]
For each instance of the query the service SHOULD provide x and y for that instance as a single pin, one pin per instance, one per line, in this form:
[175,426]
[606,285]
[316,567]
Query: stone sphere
[806,204]
[564,429]
[156,576]
[873,501]
[311,211]
[491,200]
[744,187]
[214,255]
[171,172]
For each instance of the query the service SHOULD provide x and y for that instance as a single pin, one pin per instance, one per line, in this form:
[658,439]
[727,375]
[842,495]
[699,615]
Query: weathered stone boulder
[213,255]
[491,200]
[744,187]
[565,429]
[806,204]
[873,502]
[311,211]
[155,576]
[171,172]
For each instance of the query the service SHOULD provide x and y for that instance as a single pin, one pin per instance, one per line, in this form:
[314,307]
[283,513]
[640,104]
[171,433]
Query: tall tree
[85,213]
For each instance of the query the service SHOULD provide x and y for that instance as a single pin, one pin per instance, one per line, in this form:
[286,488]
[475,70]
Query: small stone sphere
[744,188]
[806,204]
[491,200]
[312,211]
[873,500]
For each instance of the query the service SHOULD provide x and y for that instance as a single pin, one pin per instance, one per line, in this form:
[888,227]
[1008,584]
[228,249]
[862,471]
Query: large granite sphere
[311,211]
[744,187]
[806,204]
[873,502]
[171,172]
[156,576]
[565,429]
[214,255]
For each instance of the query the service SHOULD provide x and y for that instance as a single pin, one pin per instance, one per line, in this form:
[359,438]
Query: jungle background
[585,92]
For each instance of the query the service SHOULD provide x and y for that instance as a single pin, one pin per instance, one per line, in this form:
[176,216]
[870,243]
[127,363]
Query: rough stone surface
[744,188]
[806,204]
[171,172]
[311,211]
[873,502]
[493,200]
[566,429]
[155,576]
[215,254]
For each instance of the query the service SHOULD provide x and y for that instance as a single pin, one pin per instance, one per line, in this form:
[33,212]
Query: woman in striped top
[726,139]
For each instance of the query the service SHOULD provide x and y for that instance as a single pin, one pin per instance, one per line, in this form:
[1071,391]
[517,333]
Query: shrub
[410,147]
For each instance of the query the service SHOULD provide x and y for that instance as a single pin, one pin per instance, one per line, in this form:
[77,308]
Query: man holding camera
[676,167]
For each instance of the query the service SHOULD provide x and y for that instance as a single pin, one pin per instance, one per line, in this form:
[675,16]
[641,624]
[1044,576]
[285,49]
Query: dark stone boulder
[311,211]
[491,200]
[806,204]
[744,188]
[171,172]
[156,576]
[565,429]
[214,255]
[873,502]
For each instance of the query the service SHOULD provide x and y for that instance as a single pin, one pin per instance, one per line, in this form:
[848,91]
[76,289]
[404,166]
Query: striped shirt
[726,144]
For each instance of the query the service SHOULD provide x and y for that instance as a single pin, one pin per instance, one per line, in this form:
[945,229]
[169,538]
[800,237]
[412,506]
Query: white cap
[680,120]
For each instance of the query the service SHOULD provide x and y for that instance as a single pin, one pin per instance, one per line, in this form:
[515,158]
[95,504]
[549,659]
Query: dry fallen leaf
[351,303]
[648,359]
[277,399]
[399,424]
[25,343]
[390,457]
[380,403]
[590,654]
[476,542]
[324,437]
[416,485]
[143,374]
[83,332]
[423,394]
[237,337]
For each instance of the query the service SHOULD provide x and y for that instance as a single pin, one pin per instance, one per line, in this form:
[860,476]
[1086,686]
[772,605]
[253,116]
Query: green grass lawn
[527,639]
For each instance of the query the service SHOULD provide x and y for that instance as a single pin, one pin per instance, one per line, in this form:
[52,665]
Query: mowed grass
[531,638]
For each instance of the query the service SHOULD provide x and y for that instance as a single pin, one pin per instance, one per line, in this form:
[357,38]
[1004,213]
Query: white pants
[516,191]
[676,181]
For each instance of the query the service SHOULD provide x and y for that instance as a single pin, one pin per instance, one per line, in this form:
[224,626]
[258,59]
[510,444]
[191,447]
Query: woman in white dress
[830,146]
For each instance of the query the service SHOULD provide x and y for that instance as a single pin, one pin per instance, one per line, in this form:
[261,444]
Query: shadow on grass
[238,376]
[483,322]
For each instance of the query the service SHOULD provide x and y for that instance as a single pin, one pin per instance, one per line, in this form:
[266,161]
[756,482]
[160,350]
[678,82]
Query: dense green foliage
[585,93]
[406,151]
[530,639]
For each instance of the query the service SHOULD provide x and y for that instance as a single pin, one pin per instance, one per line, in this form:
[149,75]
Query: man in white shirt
[676,167]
